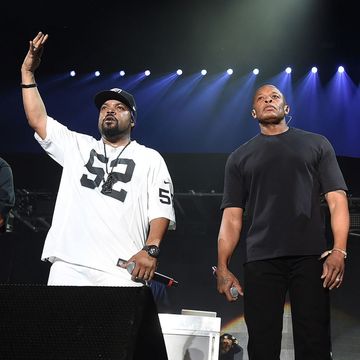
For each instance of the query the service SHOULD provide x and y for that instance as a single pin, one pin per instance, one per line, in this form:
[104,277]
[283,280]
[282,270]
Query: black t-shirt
[278,180]
[7,196]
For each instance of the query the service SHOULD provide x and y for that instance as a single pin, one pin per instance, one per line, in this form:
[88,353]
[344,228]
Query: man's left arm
[145,263]
[334,265]
[161,215]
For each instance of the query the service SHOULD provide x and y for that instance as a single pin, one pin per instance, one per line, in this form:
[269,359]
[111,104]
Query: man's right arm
[33,104]
[229,236]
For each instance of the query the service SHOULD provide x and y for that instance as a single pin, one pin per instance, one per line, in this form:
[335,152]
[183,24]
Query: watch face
[153,251]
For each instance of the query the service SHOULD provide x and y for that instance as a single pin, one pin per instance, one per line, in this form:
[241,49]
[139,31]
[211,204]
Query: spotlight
[203,72]
[97,73]
[288,70]
[256,71]
[314,69]
[122,73]
[230,71]
[147,72]
[72,73]
[341,69]
[179,71]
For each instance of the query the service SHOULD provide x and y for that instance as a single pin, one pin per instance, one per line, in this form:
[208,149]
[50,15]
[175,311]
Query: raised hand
[33,57]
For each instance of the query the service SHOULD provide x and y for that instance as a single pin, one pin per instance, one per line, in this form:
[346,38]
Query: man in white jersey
[115,195]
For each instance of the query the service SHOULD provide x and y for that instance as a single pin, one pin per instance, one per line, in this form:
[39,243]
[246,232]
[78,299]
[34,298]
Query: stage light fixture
[314,69]
[122,73]
[341,69]
[256,71]
[97,73]
[230,71]
[179,72]
[147,72]
[203,72]
[72,73]
[288,70]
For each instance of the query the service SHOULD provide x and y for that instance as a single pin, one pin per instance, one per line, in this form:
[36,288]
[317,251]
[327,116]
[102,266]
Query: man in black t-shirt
[7,196]
[277,177]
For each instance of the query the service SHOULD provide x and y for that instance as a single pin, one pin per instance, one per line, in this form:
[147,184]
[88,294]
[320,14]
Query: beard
[273,118]
[271,121]
[110,132]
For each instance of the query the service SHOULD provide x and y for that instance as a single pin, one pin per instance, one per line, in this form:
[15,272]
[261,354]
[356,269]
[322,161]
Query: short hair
[282,94]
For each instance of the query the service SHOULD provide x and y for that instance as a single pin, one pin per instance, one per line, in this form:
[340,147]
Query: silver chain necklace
[111,179]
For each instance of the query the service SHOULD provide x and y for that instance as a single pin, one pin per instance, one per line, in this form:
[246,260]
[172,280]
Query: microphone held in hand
[233,290]
[161,278]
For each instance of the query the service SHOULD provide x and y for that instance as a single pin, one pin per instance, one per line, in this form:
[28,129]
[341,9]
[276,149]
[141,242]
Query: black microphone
[161,278]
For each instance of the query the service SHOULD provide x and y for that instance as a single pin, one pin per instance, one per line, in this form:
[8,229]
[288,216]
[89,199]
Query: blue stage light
[288,70]
[179,71]
[72,73]
[341,69]
[256,71]
[122,73]
[314,69]
[203,72]
[147,72]
[230,71]
[97,73]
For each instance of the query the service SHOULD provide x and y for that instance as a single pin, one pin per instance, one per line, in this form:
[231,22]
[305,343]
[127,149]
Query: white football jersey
[94,228]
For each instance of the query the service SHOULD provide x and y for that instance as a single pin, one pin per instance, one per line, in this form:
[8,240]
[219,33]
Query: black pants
[265,287]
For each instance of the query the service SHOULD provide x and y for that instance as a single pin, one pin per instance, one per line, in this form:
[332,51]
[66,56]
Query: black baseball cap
[116,94]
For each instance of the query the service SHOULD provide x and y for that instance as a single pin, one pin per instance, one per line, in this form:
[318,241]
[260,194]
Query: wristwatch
[152,250]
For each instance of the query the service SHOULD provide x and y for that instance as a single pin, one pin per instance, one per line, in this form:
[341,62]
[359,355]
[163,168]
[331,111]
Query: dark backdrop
[193,123]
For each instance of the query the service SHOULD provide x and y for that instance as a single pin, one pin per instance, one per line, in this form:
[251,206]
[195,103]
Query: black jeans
[266,284]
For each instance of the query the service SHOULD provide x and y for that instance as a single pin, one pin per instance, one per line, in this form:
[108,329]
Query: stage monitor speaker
[79,323]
